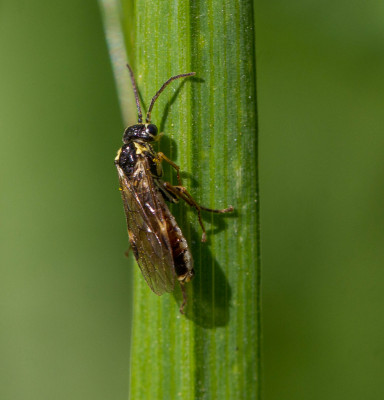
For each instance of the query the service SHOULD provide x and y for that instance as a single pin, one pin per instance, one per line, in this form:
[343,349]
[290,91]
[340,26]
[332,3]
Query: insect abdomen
[182,257]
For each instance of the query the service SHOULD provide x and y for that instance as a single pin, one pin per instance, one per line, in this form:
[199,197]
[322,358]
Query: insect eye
[152,129]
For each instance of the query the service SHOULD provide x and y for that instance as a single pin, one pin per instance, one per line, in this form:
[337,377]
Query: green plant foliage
[210,130]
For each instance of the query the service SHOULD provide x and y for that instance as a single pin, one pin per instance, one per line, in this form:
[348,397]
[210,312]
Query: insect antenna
[148,119]
[140,115]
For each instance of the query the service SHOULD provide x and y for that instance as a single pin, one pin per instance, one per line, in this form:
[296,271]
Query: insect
[157,242]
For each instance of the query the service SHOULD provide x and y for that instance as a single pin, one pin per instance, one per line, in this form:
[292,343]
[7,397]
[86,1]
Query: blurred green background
[64,280]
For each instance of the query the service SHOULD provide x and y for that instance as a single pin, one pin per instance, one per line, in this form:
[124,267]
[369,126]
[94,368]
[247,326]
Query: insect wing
[147,228]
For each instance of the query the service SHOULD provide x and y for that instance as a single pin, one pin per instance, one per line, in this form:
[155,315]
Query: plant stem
[210,126]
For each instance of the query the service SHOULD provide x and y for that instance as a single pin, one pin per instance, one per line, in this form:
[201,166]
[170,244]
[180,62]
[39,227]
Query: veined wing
[147,227]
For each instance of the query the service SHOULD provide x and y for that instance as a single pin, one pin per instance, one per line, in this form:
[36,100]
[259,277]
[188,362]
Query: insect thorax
[133,152]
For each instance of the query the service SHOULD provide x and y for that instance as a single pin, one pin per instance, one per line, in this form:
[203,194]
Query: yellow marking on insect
[131,236]
[187,277]
[118,155]
[139,148]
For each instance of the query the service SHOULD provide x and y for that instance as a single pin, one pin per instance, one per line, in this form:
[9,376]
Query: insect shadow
[208,298]
[209,293]
[208,301]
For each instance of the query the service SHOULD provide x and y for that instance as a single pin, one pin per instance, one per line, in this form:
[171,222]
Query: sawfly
[159,246]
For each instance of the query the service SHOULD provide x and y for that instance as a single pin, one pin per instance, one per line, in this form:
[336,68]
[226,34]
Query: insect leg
[184,303]
[161,156]
[183,193]
[133,249]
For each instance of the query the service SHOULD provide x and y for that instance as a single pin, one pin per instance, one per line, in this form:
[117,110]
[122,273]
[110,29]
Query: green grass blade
[210,126]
